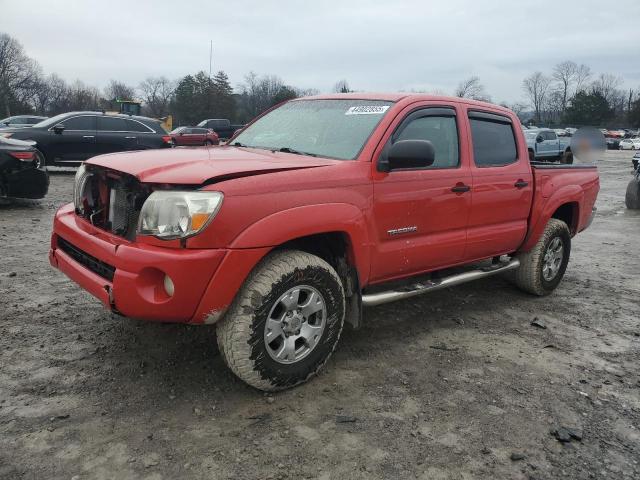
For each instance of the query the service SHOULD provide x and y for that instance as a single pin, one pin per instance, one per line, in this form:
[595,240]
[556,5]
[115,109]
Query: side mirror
[58,128]
[410,154]
[538,139]
[181,133]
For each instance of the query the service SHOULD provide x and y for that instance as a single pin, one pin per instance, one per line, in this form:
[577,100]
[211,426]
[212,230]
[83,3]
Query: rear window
[135,126]
[493,143]
[109,124]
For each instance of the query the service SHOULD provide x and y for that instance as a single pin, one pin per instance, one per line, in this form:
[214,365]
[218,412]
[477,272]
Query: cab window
[441,131]
[493,143]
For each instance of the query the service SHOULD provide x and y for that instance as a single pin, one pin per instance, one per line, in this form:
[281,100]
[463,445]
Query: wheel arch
[338,226]
[563,205]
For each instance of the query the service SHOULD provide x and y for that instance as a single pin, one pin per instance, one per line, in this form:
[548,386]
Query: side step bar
[373,299]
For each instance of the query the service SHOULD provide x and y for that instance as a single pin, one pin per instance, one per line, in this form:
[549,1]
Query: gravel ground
[456,384]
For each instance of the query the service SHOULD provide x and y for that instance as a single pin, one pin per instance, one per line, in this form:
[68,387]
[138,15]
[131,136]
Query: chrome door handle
[88,136]
[130,137]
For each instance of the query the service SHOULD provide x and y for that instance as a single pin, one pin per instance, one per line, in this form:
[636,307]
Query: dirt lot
[457,384]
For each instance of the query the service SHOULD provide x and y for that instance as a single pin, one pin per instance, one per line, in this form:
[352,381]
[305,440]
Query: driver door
[76,142]
[421,214]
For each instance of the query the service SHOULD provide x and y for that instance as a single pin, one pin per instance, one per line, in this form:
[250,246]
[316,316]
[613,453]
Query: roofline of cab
[404,98]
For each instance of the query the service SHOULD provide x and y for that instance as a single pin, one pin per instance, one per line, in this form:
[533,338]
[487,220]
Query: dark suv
[69,138]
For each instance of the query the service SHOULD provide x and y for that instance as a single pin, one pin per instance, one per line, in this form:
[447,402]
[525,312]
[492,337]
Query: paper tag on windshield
[367,110]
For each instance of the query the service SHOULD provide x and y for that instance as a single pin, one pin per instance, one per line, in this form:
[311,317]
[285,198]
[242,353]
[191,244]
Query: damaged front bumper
[145,281]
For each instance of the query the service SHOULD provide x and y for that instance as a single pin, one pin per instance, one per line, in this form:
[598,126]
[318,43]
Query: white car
[630,144]
[560,132]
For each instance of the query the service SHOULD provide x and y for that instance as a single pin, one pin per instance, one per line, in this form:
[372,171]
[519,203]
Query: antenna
[210,56]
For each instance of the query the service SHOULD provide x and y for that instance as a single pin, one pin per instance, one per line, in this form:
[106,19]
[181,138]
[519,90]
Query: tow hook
[112,302]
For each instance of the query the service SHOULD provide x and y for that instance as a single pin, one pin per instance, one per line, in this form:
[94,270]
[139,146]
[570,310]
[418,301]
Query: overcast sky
[375,45]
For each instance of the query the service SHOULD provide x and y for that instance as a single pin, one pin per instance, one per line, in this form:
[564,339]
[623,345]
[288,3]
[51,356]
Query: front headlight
[168,214]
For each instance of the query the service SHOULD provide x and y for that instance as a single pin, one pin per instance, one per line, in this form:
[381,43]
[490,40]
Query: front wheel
[542,268]
[285,322]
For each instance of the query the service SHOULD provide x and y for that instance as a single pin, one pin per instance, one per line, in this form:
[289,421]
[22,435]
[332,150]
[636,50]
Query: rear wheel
[542,268]
[40,160]
[208,143]
[285,321]
[632,197]
[567,158]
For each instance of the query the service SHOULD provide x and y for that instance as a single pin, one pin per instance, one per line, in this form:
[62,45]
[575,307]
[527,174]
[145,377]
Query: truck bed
[567,192]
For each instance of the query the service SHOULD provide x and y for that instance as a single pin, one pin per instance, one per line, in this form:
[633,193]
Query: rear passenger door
[113,135]
[502,187]
[421,214]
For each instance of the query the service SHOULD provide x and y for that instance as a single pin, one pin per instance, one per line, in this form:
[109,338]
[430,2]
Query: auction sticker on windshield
[367,110]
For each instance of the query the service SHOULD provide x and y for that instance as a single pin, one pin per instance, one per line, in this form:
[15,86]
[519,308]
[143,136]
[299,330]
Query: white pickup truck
[544,145]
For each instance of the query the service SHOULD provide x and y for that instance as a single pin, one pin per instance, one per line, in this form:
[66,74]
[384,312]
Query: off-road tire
[566,158]
[632,197]
[528,276]
[241,333]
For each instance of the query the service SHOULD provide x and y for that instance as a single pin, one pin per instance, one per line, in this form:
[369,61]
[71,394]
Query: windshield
[326,128]
[52,121]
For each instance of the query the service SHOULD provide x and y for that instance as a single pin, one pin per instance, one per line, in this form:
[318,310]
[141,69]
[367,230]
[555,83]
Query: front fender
[297,222]
[547,204]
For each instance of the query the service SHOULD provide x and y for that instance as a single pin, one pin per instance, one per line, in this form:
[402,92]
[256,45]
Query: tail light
[167,139]
[24,156]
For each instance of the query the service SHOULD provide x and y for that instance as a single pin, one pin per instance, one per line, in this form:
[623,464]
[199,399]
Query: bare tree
[117,90]
[517,107]
[583,73]
[19,74]
[536,88]
[607,85]
[472,88]
[564,74]
[156,93]
[342,86]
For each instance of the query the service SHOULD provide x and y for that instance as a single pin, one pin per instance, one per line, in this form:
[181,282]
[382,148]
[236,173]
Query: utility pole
[210,57]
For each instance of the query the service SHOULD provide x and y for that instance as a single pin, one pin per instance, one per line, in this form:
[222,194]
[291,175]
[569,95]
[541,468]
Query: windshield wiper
[296,152]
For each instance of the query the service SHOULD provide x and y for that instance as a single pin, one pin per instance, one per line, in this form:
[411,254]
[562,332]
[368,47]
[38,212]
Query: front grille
[110,200]
[98,267]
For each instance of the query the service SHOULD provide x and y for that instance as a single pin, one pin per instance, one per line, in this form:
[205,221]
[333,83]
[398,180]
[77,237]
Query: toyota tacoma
[320,207]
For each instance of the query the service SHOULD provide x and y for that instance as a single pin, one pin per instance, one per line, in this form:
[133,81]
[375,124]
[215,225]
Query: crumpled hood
[195,166]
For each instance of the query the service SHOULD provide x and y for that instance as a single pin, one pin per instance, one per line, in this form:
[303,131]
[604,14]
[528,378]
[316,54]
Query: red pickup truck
[319,207]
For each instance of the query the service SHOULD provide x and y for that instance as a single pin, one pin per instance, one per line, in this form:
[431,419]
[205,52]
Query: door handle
[88,136]
[130,137]
[521,184]
[460,188]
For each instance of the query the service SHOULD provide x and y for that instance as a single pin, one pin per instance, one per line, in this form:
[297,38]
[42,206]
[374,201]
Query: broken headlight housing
[169,214]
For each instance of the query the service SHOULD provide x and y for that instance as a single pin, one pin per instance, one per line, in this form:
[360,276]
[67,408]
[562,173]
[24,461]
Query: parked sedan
[70,138]
[21,121]
[22,172]
[184,136]
[630,144]
[612,143]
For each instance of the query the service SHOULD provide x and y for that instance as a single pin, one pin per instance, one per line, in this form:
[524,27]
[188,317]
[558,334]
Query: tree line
[570,94]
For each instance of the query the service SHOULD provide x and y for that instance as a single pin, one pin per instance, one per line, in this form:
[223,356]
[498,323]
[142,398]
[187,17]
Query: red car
[319,207]
[190,136]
